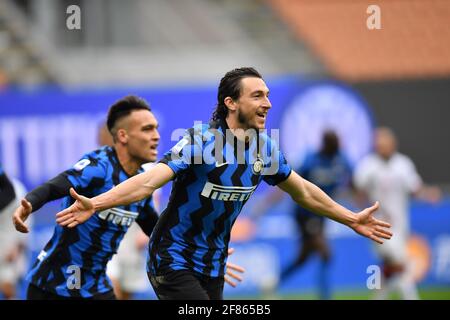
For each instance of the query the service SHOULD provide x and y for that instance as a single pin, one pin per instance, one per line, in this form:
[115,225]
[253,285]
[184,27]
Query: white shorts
[10,272]
[128,266]
[131,275]
[394,249]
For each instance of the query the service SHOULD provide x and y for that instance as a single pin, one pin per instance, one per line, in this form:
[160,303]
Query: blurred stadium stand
[149,42]
[414,40]
[21,61]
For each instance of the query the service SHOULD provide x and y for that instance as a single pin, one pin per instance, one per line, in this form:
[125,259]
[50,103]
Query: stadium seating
[414,39]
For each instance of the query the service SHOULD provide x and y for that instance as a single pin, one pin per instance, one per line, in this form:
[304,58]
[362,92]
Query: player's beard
[246,121]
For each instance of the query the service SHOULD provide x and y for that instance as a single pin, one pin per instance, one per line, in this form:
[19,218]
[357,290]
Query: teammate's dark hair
[122,108]
[330,143]
[230,86]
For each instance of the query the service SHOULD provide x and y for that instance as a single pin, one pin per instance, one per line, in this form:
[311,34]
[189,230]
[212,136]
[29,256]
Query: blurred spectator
[12,244]
[7,190]
[104,137]
[391,177]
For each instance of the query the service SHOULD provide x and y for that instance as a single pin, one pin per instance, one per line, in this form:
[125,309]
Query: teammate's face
[385,143]
[253,104]
[142,136]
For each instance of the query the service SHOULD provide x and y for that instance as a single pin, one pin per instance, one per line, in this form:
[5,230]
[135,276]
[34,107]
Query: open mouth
[261,115]
[154,147]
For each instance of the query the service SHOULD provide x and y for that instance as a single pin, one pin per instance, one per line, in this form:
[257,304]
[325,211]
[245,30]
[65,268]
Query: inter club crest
[258,166]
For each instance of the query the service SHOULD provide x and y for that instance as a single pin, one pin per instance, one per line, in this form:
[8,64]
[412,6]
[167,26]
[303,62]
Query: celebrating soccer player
[215,167]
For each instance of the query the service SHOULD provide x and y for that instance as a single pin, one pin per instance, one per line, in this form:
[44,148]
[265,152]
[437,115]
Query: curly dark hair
[230,86]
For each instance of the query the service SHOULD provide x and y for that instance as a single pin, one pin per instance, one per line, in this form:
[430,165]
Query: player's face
[253,104]
[143,136]
[385,144]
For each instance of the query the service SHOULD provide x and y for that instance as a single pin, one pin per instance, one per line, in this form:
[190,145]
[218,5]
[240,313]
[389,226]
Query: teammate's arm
[132,190]
[53,189]
[309,196]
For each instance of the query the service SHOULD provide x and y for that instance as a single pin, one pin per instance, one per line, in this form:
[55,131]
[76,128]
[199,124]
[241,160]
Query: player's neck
[236,128]
[129,165]
[386,157]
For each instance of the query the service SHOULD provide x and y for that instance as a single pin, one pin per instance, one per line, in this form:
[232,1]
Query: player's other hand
[81,210]
[432,194]
[20,216]
[230,275]
[370,227]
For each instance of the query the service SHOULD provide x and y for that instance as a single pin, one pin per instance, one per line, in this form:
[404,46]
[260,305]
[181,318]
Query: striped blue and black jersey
[328,173]
[215,175]
[73,263]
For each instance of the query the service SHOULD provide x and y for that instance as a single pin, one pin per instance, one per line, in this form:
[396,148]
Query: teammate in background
[126,269]
[73,263]
[104,137]
[12,245]
[216,168]
[391,177]
[329,169]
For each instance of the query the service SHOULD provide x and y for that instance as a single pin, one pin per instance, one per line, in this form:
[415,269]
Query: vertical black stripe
[169,219]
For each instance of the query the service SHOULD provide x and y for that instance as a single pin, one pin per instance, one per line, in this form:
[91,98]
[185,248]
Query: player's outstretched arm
[53,189]
[313,198]
[131,190]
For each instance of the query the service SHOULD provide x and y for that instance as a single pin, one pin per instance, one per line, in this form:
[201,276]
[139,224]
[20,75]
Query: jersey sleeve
[186,153]
[88,173]
[278,169]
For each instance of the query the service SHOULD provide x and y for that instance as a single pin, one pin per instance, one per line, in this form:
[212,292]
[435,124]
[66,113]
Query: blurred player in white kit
[392,178]
[13,258]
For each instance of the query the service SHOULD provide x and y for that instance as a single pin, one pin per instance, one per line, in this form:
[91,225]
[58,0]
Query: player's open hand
[229,276]
[20,216]
[81,210]
[370,227]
